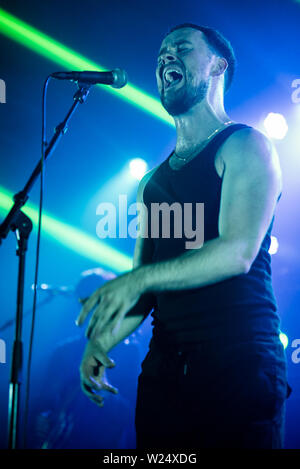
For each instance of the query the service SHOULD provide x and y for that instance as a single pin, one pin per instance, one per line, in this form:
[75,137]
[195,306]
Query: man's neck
[196,126]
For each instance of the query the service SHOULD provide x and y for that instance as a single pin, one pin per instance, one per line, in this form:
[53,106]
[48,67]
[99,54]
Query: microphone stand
[19,223]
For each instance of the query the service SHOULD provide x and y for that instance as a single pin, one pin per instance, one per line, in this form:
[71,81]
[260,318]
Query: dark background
[89,164]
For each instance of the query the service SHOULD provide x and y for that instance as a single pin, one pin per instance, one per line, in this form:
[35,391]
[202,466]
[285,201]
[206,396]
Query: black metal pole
[17,221]
[22,227]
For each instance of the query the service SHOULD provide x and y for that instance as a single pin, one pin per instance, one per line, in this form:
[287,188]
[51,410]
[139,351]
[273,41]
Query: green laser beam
[44,45]
[70,237]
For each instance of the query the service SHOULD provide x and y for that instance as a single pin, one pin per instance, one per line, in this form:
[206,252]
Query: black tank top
[243,306]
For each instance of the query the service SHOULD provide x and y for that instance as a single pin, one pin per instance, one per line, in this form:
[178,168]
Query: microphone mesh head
[120,78]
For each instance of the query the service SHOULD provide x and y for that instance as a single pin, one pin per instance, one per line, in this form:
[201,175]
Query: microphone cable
[37,256]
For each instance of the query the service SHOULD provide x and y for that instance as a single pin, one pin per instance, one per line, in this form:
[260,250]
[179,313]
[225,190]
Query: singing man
[215,372]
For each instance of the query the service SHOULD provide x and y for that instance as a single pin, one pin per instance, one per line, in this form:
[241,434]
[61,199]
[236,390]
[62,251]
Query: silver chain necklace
[206,140]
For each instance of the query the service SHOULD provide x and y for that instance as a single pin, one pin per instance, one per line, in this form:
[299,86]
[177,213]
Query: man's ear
[219,67]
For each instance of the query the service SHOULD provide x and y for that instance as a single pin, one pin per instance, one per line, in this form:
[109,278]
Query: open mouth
[172,77]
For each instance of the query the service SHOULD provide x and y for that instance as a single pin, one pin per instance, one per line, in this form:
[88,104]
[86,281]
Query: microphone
[117,78]
[54,290]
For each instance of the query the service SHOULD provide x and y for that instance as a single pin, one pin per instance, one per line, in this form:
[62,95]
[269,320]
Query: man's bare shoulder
[250,153]
[143,183]
[248,143]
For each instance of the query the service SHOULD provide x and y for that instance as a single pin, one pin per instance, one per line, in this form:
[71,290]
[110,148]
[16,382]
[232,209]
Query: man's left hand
[111,302]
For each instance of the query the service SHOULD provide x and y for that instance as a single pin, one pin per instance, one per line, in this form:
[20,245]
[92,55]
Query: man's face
[183,70]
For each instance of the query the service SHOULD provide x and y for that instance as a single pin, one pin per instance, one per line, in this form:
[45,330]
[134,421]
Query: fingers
[101,384]
[89,388]
[105,320]
[88,305]
[93,381]
[90,393]
[116,322]
[83,300]
[112,326]
[101,316]
[100,380]
[91,326]
[95,322]
[110,388]
[103,358]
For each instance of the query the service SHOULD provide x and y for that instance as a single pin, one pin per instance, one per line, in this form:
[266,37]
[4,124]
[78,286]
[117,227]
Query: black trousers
[212,395]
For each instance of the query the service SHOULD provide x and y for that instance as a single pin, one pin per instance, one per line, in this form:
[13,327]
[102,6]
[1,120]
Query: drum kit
[61,416]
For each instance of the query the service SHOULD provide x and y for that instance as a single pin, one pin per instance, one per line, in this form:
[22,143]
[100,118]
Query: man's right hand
[92,371]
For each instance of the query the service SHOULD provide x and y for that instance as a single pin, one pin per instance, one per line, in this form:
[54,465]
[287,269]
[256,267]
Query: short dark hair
[219,44]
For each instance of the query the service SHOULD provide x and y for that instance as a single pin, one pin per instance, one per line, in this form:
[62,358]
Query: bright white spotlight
[276,125]
[274,245]
[138,168]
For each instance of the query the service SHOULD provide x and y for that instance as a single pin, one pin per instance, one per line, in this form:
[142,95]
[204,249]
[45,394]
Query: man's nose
[167,58]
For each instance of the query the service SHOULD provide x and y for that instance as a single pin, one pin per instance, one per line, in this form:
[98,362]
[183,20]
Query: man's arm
[95,359]
[142,256]
[250,189]
[140,309]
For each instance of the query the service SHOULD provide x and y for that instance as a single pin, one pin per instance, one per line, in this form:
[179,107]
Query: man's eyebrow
[178,43]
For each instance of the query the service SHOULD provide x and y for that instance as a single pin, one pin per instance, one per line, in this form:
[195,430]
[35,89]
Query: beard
[178,102]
